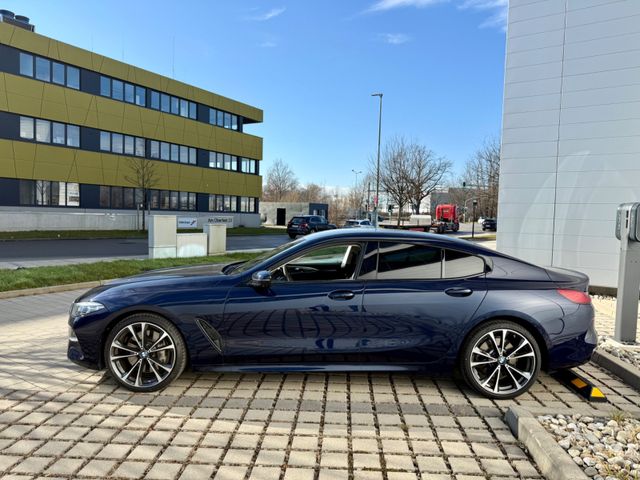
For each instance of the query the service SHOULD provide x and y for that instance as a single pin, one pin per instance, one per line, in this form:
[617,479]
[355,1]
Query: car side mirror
[261,279]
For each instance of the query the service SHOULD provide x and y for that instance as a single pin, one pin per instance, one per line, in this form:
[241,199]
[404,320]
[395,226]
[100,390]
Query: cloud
[273,13]
[498,17]
[383,5]
[268,44]
[395,38]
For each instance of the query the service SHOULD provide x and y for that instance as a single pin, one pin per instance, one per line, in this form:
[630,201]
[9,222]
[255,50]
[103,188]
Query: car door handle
[342,295]
[458,292]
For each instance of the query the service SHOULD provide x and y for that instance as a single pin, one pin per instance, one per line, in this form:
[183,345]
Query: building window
[154,149]
[73,78]
[105,86]
[105,141]
[175,153]
[165,102]
[26,64]
[73,194]
[117,90]
[58,73]
[193,110]
[155,100]
[184,108]
[129,145]
[139,147]
[26,128]
[43,131]
[141,96]
[174,200]
[43,69]
[59,136]
[117,145]
[128,93]
[105,193]
[165,151]
[175,106]
[184,154]
[193,156]
[73,136]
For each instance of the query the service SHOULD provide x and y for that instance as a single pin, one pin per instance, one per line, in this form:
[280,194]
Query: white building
[571,131]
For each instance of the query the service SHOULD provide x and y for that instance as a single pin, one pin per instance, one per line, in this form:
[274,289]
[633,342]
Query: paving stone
[64,466]
[34,465]
[329,474]
[265,473]
[131,469]
[299,474]
[464,465]
[97,468]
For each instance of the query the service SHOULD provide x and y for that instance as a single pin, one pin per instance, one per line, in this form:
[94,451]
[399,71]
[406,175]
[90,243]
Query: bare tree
[311,193]
[281,182]
[482,176]
[426,173]
[395,172]
[144,176]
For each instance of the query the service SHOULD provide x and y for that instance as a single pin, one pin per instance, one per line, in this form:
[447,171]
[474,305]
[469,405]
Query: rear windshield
[296,220]
[352,222]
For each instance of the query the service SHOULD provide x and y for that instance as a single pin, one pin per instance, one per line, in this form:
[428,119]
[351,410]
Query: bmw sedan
[342,300]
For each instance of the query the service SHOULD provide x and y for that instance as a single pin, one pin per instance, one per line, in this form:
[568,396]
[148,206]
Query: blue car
[342,300]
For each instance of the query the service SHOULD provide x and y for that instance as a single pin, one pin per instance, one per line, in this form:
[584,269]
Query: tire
[292,236]
[158,349]
[514,376]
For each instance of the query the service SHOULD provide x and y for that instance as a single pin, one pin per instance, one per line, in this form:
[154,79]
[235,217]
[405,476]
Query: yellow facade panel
[45,46]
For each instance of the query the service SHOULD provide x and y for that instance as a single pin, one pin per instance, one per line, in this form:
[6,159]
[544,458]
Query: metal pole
[377,199]
[473,220]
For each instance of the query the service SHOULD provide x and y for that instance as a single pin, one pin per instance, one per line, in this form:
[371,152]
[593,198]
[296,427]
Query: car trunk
[570,279]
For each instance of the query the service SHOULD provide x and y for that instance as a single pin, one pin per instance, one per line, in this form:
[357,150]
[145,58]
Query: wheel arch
[529,325]
[148,310]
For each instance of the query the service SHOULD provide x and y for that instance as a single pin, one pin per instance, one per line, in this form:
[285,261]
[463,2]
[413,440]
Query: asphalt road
[23,250]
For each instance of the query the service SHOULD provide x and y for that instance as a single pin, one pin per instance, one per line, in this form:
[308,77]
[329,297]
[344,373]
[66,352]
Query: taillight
[576,296]
[303,225]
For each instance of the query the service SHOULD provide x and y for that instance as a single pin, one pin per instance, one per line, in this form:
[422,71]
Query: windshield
[243,267]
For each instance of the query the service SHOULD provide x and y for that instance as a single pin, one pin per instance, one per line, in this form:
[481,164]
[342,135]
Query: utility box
[191,245]
[217,238]
[628,232]
[162,236]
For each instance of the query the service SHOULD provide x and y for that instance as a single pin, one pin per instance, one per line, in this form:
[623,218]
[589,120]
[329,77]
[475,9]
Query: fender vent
[211,334]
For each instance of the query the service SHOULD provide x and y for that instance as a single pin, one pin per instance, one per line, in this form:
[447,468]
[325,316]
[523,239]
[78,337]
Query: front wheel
[500,359]
[145,352]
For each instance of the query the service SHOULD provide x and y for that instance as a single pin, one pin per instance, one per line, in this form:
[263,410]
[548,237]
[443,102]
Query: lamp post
[473,219]
[356,193]
[377,197]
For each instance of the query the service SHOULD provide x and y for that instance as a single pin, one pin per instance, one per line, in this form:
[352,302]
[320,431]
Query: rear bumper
[577,342]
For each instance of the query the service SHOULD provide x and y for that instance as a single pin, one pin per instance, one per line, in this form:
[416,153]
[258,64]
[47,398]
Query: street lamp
[355,190]
[377,198]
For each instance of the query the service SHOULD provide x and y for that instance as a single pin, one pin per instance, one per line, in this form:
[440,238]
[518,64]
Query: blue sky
[311,65]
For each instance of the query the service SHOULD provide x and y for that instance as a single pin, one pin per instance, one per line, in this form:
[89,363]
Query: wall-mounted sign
[187,222]
[221,220]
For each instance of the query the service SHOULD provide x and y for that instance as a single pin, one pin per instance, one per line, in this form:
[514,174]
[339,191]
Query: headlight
[81,309]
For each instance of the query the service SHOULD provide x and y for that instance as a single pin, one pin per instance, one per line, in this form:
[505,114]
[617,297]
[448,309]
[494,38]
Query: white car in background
[353,223]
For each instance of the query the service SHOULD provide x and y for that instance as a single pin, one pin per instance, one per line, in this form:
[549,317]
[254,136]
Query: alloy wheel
[142,354]
[503,361]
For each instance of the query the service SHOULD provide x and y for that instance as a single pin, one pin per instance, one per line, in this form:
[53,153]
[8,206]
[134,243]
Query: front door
[281,216]
[417,299]
[311,313]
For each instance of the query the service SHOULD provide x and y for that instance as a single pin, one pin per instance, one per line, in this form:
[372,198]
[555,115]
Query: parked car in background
[342,300]
[490,224]
[305,224]
[353,223]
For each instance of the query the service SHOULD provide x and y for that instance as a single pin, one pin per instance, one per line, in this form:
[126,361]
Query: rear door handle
[342,295]
[458,292]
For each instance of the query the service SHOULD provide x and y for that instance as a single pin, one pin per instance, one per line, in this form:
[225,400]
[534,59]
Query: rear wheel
[292,235]
[145,352]
[500,359]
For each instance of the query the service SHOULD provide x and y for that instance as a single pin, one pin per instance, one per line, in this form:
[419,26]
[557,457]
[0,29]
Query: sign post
[628,232]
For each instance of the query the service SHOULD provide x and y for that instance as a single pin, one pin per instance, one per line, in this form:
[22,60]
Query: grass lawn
[91,234]
[87,272]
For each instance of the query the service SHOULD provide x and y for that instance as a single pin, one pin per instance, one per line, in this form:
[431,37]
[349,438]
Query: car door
[417,298]
[310,313]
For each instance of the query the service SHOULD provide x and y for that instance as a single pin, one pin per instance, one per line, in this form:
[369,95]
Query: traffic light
[390,207]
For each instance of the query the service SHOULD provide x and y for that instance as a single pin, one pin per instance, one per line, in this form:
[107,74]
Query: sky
[312,66]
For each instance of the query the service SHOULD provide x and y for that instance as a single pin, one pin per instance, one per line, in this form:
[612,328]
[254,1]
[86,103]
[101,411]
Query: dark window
[399,261]
[165,199]
[73,78]
[105,86]
[174,200]
[27,192]
[128,198]
[154,199]
[105,197]
[26,64]
[58,197]
[58,73]
[460,264]
[116,197]
[192,201]
[184,201]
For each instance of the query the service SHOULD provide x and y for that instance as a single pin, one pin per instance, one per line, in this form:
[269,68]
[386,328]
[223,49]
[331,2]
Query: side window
[402,261]
[460,264]
[334,262]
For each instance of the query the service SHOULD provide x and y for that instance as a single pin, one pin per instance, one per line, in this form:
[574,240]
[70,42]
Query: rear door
[417,299]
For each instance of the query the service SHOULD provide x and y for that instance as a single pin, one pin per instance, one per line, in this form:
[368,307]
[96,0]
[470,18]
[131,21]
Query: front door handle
[342,295]
[458,292]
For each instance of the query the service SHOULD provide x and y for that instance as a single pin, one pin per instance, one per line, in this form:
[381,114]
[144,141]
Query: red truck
[446,219]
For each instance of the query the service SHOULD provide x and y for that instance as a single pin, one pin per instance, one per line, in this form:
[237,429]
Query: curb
[551,459]
[620,368]
[51,289]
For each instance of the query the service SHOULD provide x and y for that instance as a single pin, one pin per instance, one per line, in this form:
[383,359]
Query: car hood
[162,278]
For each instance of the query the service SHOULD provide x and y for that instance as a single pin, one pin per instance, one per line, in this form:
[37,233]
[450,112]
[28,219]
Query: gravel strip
[606,449]
[629,355]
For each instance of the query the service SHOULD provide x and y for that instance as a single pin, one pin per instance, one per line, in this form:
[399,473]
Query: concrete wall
[26,218]
[571,131]
[268,210]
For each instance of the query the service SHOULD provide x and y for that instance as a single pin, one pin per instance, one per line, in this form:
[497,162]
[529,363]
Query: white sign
[187,222]
[220,220]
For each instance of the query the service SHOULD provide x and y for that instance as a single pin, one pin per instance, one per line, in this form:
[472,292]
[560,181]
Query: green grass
[87,272]
[92,234]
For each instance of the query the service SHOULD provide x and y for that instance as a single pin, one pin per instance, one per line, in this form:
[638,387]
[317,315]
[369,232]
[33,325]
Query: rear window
[297,220]
[406,261]
[459,264]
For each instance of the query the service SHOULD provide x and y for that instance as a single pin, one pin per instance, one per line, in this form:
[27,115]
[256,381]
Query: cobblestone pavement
[59,420]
